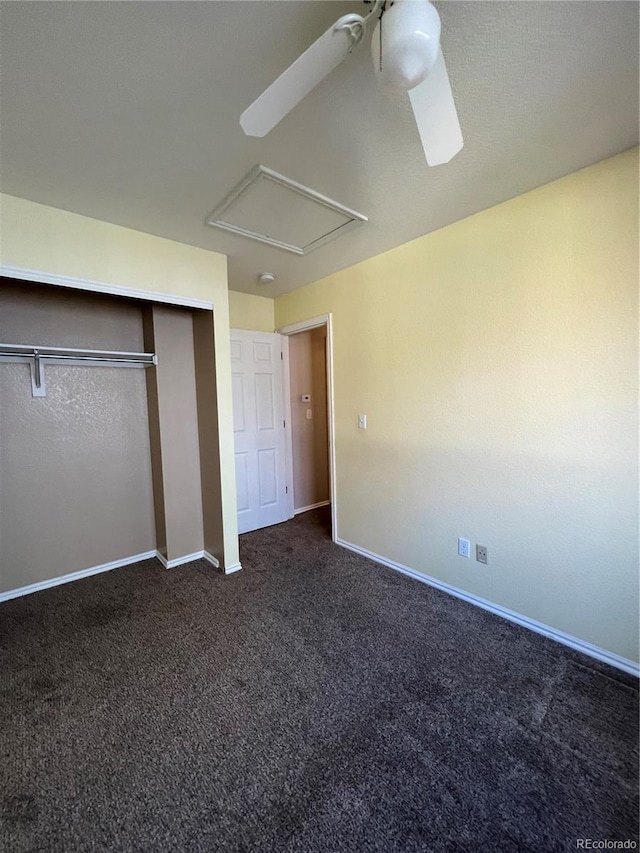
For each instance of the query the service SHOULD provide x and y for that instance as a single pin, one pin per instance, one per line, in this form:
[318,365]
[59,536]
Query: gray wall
[175,441]
[75,466]
[208,433]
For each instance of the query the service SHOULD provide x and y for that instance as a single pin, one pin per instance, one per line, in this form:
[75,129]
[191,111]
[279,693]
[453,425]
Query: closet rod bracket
[38,388]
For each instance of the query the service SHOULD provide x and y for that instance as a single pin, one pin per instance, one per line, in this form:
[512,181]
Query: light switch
[362,421]
[309,414]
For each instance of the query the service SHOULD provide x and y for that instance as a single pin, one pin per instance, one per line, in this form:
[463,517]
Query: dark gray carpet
[313,702]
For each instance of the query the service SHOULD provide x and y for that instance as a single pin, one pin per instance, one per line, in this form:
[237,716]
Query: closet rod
[64,354]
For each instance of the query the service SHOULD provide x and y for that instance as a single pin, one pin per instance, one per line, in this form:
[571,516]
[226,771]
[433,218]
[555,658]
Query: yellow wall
[497,361]
[44,239]
[253,313]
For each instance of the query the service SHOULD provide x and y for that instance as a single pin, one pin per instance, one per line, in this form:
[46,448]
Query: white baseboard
[187,558]
[589,649]
[311,506]
[234,567]
[74,576]
[211,559]
[115,564]
[179,561]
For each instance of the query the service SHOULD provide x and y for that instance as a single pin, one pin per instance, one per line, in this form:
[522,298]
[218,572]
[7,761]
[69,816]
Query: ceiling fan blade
[299,79]
[436,116]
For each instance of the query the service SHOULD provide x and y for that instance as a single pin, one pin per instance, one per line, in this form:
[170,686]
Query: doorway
[309,382]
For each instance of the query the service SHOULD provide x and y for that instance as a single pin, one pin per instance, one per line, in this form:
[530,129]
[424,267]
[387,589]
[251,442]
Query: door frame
[303,326]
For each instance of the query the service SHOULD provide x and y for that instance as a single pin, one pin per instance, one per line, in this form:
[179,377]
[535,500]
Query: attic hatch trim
[260,173]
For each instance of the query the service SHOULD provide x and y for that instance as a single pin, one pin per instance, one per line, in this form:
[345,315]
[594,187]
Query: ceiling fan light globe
[406,43]
[407,67]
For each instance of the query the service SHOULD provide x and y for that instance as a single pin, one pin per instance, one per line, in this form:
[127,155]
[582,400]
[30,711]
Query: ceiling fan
[405,47]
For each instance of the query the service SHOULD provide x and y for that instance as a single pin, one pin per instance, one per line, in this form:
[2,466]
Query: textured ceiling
[128,112]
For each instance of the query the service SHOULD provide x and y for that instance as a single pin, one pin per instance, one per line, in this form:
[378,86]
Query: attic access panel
[275,210]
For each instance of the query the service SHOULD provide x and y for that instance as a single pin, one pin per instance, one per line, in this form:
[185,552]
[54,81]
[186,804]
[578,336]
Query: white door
[259,429]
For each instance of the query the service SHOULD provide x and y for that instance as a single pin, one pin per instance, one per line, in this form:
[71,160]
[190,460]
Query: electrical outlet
[362,421]
[464,548]
[481,553]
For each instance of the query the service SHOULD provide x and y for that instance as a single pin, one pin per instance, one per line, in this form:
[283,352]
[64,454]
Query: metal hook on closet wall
[37,368]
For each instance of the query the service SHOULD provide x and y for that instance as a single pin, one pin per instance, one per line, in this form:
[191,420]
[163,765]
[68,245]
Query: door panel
[237,384]
[242,481]
[264,401]
[268,477]
[259,429]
